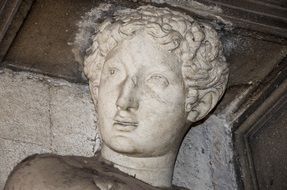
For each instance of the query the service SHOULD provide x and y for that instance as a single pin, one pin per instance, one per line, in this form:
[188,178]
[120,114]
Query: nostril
[128,96]
[126,103]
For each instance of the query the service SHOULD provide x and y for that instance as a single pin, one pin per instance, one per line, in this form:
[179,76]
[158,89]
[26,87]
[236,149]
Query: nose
[127,99]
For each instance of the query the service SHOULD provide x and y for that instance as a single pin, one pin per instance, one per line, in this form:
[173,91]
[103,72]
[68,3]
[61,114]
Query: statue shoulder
[49,172]
[53,172]
[29,173]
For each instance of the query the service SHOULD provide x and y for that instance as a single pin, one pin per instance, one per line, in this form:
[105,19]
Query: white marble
[152,72]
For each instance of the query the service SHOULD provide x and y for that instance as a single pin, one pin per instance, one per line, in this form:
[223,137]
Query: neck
[156,171]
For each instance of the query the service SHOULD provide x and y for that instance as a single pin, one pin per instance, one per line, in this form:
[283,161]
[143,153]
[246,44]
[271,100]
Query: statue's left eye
[113,71]
[158,80]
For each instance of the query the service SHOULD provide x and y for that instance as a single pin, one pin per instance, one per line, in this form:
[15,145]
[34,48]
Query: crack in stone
[50,119]
[21,141]
[96,145]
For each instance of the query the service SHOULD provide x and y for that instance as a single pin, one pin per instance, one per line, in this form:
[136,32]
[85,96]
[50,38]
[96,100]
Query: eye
[112,71]
[158,80]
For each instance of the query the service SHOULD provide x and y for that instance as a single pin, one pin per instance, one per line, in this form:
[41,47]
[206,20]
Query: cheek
[162,125]
[106,111]
[108,90]
[106,104]
[167,107]
[171,99]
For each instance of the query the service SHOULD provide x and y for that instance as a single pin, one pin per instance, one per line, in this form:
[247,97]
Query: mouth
[126,126]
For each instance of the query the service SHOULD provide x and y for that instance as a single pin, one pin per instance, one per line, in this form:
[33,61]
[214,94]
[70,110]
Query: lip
[125,125]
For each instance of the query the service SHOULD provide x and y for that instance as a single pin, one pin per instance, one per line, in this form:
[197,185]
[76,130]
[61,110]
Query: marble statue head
[152,72]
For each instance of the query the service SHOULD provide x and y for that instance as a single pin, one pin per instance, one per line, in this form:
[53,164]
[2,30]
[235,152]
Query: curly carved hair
[196,45]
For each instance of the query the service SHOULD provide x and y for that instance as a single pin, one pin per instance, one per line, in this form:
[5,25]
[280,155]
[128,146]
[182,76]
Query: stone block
[192,165]
[40,114]
[73,120]
[24,109]
[205,159]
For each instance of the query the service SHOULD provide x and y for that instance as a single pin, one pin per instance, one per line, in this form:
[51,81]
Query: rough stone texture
[39,114]
[24,105]
[193,162]
[72,115]
[205,158]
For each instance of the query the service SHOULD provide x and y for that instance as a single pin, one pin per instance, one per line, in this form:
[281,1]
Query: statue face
[141,101]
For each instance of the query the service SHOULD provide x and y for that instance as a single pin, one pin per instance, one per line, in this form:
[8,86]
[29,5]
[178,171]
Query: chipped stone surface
[205,158]
[192,166]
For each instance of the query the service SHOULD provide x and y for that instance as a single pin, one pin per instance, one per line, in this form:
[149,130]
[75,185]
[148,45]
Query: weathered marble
[152,72]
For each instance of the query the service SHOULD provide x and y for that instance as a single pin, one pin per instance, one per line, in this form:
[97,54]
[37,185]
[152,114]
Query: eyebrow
[110,58]
[114,60]
[162,71]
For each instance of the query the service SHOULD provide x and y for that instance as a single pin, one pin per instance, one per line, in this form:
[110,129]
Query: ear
[205,105]
[94,91]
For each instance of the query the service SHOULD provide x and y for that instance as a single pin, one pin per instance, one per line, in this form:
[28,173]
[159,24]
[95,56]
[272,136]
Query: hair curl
[196,44]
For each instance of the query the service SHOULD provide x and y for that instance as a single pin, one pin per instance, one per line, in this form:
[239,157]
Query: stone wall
[40,114]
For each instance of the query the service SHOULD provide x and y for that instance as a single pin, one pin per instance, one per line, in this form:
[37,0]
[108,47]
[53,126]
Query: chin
[122,145]
[127,147]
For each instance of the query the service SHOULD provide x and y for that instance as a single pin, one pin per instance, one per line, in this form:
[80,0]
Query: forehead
[143,51]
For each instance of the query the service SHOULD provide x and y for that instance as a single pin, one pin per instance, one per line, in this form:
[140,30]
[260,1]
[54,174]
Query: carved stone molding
[12,15]
[259,139]
[264,16]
